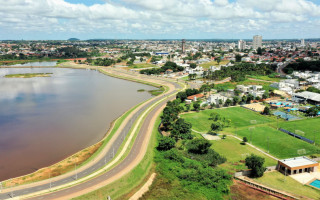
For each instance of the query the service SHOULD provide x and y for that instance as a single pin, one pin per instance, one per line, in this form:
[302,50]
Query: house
[215,98]
[297,165]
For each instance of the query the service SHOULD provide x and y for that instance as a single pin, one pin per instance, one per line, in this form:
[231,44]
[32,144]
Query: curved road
[135,151]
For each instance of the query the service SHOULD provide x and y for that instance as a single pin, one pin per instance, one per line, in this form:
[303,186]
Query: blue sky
[159,19]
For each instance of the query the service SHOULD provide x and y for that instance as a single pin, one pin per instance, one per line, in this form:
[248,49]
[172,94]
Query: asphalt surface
[99,164]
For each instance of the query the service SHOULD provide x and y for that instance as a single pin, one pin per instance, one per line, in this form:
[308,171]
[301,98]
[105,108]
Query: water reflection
[45,119]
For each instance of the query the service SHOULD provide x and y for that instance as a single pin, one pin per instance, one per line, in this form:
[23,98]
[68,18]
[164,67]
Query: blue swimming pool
[316,183]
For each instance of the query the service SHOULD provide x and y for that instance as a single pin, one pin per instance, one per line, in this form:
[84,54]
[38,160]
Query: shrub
[198,146]
[166,143]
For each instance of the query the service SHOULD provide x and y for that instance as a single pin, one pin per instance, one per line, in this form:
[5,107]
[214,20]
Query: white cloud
[154,16]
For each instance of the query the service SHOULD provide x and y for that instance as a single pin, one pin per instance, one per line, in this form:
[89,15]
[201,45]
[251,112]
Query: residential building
[241,45]
[257,42]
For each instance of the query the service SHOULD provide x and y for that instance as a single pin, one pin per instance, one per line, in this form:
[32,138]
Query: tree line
[168,65]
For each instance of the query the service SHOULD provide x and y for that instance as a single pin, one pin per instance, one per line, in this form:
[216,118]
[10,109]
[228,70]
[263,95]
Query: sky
[158,19]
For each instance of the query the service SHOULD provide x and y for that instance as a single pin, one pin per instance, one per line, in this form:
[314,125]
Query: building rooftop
[309,95]
[298,161]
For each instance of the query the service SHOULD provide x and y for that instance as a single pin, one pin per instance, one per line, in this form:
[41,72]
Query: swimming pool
[316,183]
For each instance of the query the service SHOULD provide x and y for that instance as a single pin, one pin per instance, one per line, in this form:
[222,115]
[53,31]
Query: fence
[297,136]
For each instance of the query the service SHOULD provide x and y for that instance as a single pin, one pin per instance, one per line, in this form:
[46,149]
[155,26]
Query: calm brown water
[44,120]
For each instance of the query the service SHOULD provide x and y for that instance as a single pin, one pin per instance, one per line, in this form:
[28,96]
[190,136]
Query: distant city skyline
[158,19]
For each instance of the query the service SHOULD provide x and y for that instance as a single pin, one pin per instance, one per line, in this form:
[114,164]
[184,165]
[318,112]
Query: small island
[28,75]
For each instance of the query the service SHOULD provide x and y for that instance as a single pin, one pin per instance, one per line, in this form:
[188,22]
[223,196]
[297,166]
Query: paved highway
[100,163]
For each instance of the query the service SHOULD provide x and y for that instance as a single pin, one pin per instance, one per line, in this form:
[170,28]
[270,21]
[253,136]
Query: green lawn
[276,180]
[239,116]
[214,63]
[265,78]
[310,127]
[234,151]
[280,144]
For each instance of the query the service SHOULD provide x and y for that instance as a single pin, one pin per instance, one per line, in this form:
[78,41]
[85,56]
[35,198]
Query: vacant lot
[214,63]
[240,117]
[142,65]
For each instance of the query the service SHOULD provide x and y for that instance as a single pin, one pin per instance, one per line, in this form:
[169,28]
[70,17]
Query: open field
[235,152]
[310,127]
[214,63]
[264,78]
[279,144]
[232,85]
[276,180]
[240,117]
[142,65]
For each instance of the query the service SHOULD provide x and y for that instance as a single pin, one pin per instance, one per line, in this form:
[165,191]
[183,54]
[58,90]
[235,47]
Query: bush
[198,146]
[166,143]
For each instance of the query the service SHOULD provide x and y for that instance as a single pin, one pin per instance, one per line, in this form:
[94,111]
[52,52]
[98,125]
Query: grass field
[265,78]
[214,63]
[142,65]
[310,127]
[235,152]
[239,116]
[28,75]
[279,144]
[276,180]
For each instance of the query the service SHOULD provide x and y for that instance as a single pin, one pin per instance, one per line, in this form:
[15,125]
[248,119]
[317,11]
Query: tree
[314,111]
[259,51]
[198,146]
[244,99]
[141,59]
[236,100]
[212,105]
[244,140]
[188,107]
[166,143]
[266,111]
[193,65]
[228,102]
[196,106]
[224,136]
[216,126]
[218,59]
[255,163]
[238,58]
[265,95]
[204,106]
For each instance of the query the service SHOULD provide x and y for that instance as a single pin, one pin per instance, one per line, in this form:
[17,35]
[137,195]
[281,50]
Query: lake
[45,119]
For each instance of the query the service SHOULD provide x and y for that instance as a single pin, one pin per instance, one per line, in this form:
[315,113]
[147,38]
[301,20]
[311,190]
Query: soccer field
[309,128]
[240,117]
[278,143]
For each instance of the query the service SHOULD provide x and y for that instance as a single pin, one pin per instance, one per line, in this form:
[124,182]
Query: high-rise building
[241,45]
[257,42]
[183,46]
[303,43]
